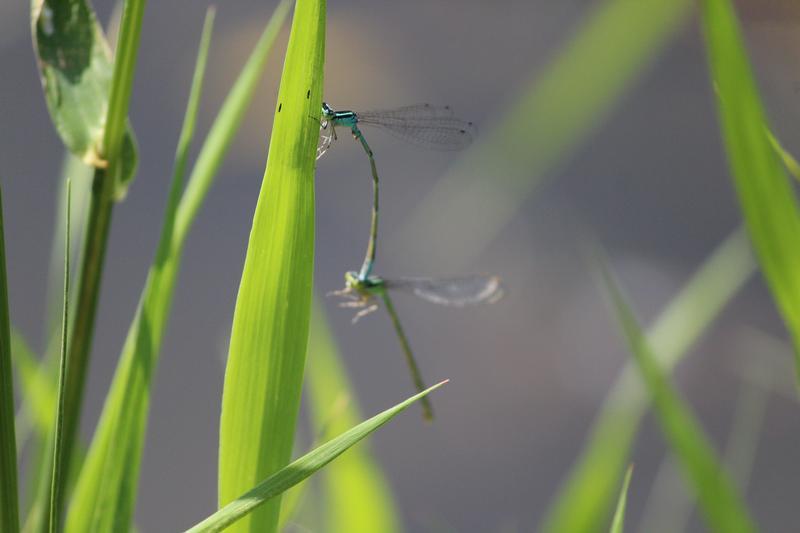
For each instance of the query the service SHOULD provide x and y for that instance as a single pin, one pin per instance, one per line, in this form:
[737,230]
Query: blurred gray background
[529,373]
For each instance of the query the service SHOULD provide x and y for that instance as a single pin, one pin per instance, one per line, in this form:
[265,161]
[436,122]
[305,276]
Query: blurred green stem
[9,510]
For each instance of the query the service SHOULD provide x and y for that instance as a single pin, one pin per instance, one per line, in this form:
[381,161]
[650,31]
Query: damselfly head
[327,112]
[353,282]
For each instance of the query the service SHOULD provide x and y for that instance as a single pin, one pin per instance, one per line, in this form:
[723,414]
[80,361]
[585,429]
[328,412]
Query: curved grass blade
[56,484]
[765,192]
[585,500]
[669,507]
[717,496]
[226,125]
[552,119]
[264,372]
[300,469]
[618,524]
[106,187]
[356,495]
[106,491]
[9,496]
[128,399]
[75,64]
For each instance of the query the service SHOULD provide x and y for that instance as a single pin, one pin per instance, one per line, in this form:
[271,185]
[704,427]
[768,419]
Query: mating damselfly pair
[431,127]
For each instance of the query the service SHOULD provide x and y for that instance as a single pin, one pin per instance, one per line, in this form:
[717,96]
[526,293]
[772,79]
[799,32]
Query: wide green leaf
[266,358]
[717,496]
[9,496]
[76,68]
[356,496]
[586,499]
[765,192]
[558,110]
[297,471]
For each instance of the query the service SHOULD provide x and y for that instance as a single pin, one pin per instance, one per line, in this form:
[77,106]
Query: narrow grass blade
[80,177]
[106,493]
[787,158]
[717,496]
[669,508]
[9,496]
[123,422]
[115,148]
[109,183]
[56,483]
[586,499]
[76,70]
[356,495]
[553,117]
[297,471]
[226,124]
[766,195]
[266,358]
[618,524]
[38,378]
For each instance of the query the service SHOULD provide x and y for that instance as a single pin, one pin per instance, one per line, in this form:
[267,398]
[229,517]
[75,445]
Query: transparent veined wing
[455,291]
[425,125]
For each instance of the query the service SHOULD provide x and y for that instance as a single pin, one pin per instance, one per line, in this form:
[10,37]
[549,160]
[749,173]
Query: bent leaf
[75,65]
[294,473]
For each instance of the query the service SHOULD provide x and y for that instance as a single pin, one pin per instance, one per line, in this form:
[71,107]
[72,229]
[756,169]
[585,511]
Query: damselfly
[424,125]
[456,291]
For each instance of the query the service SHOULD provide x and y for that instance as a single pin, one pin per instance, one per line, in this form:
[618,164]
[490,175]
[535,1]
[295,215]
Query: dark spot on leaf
[280,105]
[308,94]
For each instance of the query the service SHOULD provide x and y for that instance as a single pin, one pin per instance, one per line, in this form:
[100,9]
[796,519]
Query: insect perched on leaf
[458,291]
[425,125]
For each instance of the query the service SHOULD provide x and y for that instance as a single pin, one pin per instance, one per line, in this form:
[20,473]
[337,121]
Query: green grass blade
[297,471]
[585,500]
[787,158]
[668,507]
[115,148]
[77,90]
[357,498]
[56,483]
[106,493]
[124,415]
[226,124]
[264,372]
[765,192]
[717,496]
[80,177]
[9,495]
[618,524]
[109,181]
[552,119]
